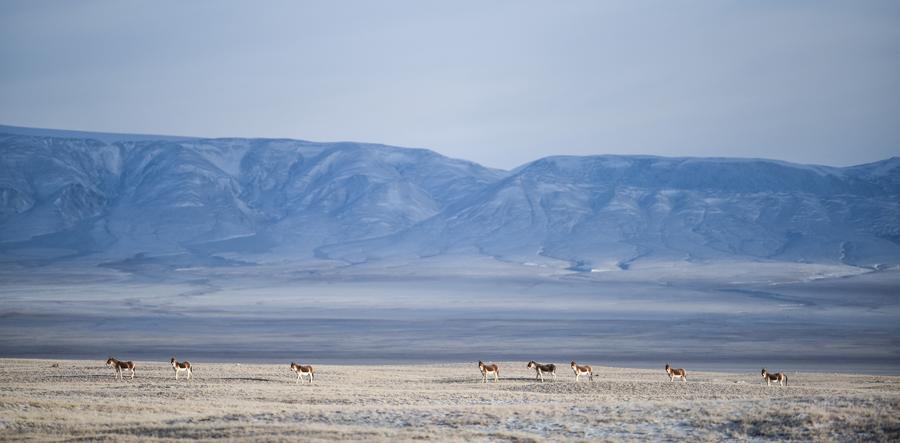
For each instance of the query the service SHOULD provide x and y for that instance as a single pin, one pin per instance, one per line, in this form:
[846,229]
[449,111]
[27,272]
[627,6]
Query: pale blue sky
[497,82]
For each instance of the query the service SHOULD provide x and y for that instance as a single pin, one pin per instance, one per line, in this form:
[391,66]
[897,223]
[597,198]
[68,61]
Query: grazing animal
[303,370]
[582,370]
[120,367]
[182,366]
[540,369]
[676,373]
[488,369]
[777,377]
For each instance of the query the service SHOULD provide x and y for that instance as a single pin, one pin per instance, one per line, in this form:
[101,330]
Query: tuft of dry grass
[80,400]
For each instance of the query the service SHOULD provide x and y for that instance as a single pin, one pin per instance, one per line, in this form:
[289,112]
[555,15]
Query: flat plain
[66,400]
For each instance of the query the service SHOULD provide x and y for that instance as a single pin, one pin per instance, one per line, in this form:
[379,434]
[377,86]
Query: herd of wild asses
[492,370]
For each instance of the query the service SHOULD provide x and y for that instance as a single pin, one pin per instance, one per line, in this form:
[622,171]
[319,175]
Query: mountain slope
[607,211]
[69,194]
[77,196]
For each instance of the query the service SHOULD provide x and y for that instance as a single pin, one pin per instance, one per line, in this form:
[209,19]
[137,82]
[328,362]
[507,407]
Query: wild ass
[540,369]
[676,373]
[303,370]
[777,377]
[182,366]
[582,370]
[488,369]
[120,367]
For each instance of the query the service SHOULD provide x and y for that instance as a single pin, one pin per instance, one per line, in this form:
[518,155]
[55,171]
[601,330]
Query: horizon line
[111,137]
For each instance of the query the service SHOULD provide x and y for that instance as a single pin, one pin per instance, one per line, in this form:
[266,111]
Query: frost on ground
[81,400]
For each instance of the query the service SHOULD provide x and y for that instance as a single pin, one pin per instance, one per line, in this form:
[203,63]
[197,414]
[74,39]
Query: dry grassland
[80,400]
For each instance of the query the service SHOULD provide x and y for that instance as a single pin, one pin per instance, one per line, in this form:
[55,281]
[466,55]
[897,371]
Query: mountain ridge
[66,197]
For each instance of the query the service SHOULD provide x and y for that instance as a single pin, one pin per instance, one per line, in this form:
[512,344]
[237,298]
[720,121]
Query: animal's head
[764,371]
[573,363]
[531,364]
[667,367]
[109,361]
[480,363]
[172,360]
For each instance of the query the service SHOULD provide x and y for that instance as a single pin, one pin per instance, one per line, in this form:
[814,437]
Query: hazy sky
[500,83]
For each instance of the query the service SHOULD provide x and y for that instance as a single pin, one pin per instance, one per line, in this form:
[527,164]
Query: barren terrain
[76,400]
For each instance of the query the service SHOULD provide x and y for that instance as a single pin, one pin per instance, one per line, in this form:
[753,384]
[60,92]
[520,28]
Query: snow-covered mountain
[604,212]
[73,194]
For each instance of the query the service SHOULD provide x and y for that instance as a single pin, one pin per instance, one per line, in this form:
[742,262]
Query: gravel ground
[48,400]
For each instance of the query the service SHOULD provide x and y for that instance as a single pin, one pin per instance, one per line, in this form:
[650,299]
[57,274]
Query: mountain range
[68,195]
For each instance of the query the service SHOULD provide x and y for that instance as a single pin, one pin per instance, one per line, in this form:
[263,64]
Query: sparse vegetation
[81,400]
